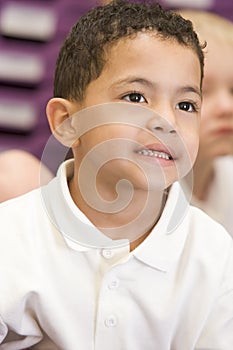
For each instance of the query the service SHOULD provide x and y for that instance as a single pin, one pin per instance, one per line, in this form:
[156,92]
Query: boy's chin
[158,185]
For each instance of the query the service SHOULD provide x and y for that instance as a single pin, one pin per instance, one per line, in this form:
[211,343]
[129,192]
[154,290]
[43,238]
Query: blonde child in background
[213,169]
[110,255]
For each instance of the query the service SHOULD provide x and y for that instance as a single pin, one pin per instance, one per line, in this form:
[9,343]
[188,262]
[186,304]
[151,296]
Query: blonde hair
[209,26]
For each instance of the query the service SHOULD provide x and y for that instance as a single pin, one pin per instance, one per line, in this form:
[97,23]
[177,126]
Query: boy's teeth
[150,153]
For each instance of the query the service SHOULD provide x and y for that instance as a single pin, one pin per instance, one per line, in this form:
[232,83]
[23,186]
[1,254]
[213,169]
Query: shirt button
[114,284]
[107,254]
[111,321]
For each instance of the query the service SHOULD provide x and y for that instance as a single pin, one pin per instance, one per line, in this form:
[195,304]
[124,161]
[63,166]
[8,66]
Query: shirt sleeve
[9,340]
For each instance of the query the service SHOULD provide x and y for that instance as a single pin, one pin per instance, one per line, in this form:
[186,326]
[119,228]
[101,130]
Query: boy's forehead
[128,43]
[145,44]
[128,38]
[146,61]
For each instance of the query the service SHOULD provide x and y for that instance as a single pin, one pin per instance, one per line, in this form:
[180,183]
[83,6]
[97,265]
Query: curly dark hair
[83,54]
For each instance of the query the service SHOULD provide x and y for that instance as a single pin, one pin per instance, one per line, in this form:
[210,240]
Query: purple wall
[221,7]
[31,33]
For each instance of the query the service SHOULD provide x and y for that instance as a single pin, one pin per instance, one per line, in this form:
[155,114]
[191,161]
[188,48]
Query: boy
[213,169]
[124,267]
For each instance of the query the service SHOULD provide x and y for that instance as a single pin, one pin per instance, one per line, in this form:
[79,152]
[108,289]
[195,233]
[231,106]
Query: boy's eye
[186,106]
[134,97]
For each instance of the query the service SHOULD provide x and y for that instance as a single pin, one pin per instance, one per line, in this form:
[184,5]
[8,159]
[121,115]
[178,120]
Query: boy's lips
[155,150]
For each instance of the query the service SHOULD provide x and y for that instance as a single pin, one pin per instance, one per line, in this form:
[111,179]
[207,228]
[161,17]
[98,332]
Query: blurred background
[31,33]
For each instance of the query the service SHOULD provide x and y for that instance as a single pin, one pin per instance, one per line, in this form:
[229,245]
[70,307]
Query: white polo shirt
[174,291]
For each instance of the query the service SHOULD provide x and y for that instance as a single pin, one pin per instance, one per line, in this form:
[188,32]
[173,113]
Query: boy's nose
[160,124]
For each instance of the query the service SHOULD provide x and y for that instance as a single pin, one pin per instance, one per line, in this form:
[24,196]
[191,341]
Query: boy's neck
[137,219]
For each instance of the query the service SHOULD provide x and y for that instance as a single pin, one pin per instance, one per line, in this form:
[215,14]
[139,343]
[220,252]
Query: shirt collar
[75,227]
[163,247]
[160,250]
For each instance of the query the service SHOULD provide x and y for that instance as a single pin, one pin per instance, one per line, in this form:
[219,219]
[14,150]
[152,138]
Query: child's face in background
[160,75]
[216,136]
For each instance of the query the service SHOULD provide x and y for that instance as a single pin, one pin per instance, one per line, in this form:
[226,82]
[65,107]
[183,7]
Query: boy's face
[164,77]
[216,136]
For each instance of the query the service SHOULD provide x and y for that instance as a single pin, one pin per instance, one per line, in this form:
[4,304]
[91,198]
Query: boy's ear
[59,112]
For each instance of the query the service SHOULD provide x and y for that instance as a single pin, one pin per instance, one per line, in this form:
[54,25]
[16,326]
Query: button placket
[109,315]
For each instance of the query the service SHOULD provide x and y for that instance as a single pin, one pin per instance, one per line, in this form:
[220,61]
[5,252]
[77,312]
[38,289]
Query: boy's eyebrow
[130,80]
[153,85]
[194,89]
